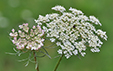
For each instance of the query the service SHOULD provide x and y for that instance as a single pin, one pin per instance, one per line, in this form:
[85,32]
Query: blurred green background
[15,12]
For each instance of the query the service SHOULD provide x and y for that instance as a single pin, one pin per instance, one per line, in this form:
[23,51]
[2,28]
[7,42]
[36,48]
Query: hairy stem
[58,62]
[37,68]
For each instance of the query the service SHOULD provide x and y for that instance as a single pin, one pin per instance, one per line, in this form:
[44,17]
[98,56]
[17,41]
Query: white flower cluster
[72,31]
[27,38]
[59,8]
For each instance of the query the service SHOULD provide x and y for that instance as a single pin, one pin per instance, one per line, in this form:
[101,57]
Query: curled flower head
[73,31]
[28,38]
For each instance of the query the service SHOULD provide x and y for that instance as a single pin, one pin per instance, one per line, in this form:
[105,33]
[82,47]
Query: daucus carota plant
[26,39]
[73,32]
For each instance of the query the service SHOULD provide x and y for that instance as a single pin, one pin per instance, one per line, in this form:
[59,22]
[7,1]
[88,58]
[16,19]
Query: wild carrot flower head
[72,31]
[26,38]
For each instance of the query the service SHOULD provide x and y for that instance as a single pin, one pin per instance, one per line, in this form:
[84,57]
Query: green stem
[58,62]
[37,68]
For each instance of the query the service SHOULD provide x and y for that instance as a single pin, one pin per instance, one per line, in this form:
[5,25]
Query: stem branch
[37,68]
[58,62]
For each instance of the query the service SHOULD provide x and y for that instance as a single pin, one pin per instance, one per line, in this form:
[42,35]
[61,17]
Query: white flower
[102,34]
[24,27]
[58,43]
[59,51]
[67,55]
[13,30]
[72,31]
[14,34]
[52,16]
[95,20]
[95,50]
[52,39]
[83,53]
[20,26]
[75,52]
[75,11]
[59,8]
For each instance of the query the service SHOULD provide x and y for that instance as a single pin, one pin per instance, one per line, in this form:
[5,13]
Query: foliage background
[15,12]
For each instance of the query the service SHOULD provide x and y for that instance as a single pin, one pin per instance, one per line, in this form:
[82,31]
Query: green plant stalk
[37,68]
[58,62]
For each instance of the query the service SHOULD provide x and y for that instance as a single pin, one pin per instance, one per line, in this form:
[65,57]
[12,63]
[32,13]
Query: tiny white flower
[34,27]
[95,50]
[59,51]
[36,21]
[13,30]
[75,52]
[58,43]
[95,20]
[65,52]
[59,8]
[20,26]
[83,53]
[67,55]
[52,39]
[43,19]
[75,11]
